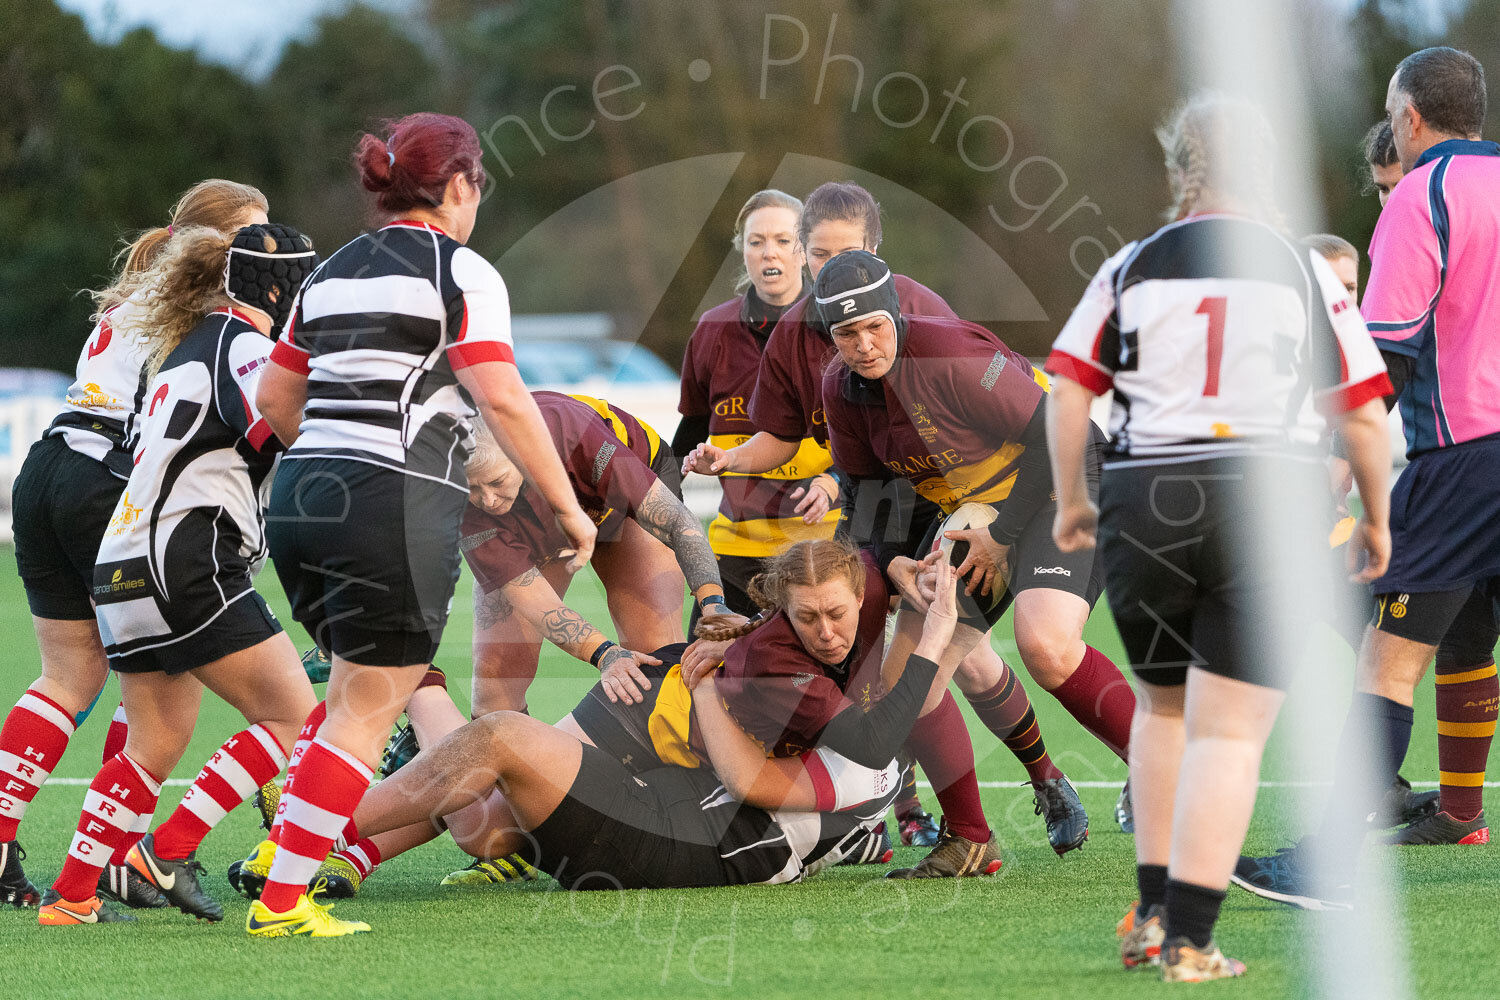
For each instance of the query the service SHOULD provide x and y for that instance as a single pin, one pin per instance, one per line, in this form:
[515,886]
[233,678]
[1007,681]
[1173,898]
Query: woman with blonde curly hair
[172,584]
[63,498]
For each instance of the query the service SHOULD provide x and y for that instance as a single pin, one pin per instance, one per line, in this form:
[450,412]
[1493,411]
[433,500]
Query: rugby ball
[969,515]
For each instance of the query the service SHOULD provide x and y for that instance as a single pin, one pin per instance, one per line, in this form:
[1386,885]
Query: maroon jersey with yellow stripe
[788,396]
[948,416]
[756,515]
[784,697]
[607,454]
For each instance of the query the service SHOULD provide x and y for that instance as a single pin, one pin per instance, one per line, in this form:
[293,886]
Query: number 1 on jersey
[1213,308]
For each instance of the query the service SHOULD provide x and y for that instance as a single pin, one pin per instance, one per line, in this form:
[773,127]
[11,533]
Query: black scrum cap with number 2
[853,286]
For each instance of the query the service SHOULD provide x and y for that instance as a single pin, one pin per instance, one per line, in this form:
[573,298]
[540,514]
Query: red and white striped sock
[330,784]
[364,856]
[246,761]
[138,830]
[35,735]
[121,792]
[114,740]
[309,732]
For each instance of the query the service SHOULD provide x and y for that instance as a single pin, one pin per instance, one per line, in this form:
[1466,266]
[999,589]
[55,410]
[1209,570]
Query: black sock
[1374,744]
[1152,882]
[1191,912]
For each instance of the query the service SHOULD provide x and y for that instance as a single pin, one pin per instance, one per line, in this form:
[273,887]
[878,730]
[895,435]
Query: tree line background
[97,139]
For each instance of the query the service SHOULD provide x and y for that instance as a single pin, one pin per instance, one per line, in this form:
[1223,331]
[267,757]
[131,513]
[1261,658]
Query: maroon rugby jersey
[788,397]
[784,697]
[756,515]
[607,454]
[948,415]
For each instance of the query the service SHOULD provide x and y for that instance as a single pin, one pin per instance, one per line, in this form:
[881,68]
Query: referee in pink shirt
[1433,307]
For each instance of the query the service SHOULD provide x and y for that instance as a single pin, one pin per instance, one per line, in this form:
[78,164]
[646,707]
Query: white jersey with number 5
[1218,335]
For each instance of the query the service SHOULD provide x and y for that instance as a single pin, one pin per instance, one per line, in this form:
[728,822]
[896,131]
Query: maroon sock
[1466,699]
[1006,711]
[1101,699]
[940,740]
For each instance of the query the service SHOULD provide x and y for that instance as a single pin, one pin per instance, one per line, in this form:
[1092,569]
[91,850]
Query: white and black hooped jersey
[188,531]
[379,330]
[109,383]
[1218,336]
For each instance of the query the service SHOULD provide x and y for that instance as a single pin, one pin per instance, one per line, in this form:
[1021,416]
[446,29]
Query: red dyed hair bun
[410,168]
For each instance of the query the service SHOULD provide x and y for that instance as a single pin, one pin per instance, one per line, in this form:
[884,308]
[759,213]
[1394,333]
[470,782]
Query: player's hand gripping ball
[966,543]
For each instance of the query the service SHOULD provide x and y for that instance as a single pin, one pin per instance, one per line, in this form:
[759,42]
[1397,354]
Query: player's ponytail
[1219,151]
[217,204]
[411,166]
[183,284]
[804,564]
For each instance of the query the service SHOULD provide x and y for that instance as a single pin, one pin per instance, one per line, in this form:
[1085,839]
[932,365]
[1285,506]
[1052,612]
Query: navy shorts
[1445,520]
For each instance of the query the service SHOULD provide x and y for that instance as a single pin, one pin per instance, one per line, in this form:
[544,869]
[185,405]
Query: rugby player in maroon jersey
[947,407]
[625,478]
[650,542]
[587,817]
[803,678]
[757,516]
[787,406]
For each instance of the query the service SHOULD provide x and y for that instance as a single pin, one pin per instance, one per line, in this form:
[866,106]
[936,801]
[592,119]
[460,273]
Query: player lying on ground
[648,542]
[1225,345]
[626,477]
[806,675]
[591,822]
[62,501]
[785,408]
[176,606]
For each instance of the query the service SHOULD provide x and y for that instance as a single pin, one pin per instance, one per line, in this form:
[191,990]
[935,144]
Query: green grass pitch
[1042,928]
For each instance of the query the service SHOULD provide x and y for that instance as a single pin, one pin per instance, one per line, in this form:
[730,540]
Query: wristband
[599,653]
[713,599]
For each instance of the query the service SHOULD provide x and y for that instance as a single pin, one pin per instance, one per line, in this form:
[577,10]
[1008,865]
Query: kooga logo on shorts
[1058,570]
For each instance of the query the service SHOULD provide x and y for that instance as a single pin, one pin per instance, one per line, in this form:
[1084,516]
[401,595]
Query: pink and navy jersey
[1434,292]
[1218,336]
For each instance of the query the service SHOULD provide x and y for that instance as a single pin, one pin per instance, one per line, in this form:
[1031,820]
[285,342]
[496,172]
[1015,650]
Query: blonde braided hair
[804,564]
[1219,151]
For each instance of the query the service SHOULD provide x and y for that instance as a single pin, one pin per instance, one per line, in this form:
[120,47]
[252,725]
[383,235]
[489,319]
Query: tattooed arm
[669,520]
[532,598]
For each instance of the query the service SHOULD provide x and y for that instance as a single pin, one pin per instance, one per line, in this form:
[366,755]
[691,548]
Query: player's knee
[502,734]
[1463,652]
[1051,654]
